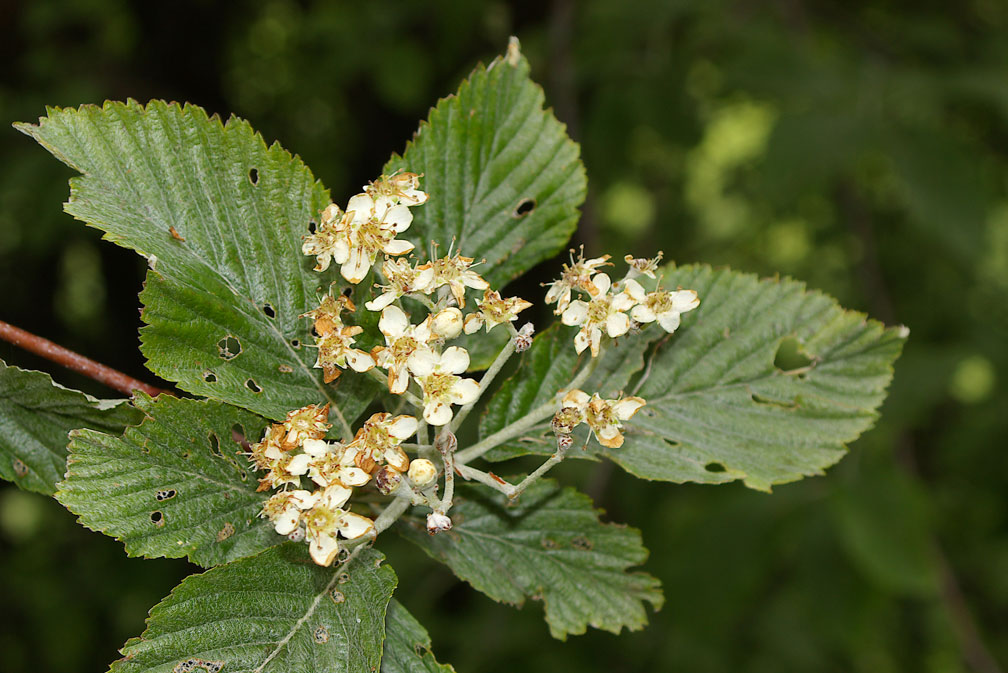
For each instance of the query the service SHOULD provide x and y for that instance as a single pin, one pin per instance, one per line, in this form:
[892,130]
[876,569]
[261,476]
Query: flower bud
[422,472]
[447,324]
[438,522]
[296,535]
[446,442]
[564,442]
[387,480]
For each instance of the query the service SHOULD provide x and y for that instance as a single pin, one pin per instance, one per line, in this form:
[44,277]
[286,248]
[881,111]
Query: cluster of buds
[295,450]
[606,304]
[604,417]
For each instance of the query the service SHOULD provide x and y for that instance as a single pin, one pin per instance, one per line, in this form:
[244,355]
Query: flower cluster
[605,306]
[604,417]
[295,450]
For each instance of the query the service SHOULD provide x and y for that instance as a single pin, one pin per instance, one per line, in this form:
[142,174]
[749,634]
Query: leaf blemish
[524,208]
[229,347]
[174,234]
[166,494]
[337,596]
[791,357]
[190,665]
[285,369]
[253,176]
[253,386]
[20,469]
[715,466]
[209,377]
[582,543]
[268,309]
[225,532]
[321,635]
[157,518]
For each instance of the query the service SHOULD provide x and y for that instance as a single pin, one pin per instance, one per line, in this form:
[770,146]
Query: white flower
[643,265]
[402,187]
[603,311]
[284,509]
[405,348]
[322,244]
[402,279]
[604,417]
[308,422]
[662,306]
[378,442]
[576,276]
[442,388]
[524,339]
[327,519]
[334,464]
[493,311]
[335,340]
[456,274]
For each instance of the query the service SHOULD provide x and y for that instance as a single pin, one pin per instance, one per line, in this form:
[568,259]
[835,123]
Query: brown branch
[75,361]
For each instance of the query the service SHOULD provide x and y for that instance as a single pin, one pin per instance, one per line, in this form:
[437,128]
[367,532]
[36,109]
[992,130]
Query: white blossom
[604,311]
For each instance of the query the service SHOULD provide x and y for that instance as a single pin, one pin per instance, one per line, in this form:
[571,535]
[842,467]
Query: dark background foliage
[861,147]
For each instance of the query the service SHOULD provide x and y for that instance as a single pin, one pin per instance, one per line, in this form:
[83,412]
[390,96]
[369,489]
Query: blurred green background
[861,147]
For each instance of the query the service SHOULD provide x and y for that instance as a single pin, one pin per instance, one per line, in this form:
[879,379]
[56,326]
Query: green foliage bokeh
[859,147]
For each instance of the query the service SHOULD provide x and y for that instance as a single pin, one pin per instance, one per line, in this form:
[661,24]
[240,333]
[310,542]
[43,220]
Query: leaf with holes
[546,368]
[277,611]
[549,546]
[505,181]
[220,216]
[176,485]
[35,416]
[723,404]
[407,645]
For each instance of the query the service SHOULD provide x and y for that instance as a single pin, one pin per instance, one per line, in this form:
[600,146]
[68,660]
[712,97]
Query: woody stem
[75,361]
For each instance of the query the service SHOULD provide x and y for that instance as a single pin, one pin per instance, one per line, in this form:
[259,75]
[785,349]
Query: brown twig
[75,361]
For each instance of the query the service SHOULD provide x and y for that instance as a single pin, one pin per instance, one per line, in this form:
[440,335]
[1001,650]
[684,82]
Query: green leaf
[719,408]
[505,181]
[277,611]
[407,645]
[173,486]
[547,367]
[35,416]
[548,546]
[220,218]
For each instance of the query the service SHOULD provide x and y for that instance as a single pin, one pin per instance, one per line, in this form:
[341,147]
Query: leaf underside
[505,181]
[277,611]
[35,416]
[220,217]
[549,546]
[173,486]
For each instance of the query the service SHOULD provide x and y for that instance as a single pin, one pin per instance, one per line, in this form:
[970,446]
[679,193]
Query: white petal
[362,205]
[575,313]
[393,322]
[315,447]
[354,525]
[403,427]
[398,379]
[303,499]
[380,302]
[577,399]
[382,205]
[397,459]
[299,464]
[602,282]
[642,313]
[669,321]
[397,246]
[359,361]
[437,413]
[618,324]
[353,476]
[323,549]
[340,251]
[335,496]
[556,288]
[473,322]
[356,266]
[465,391]
[454,360]
[423,279]
[627,407]
[422,362]
[634,290]
[398,218]
[685,300]
[581,341]
[287,521]
[622,302]
[473,280]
